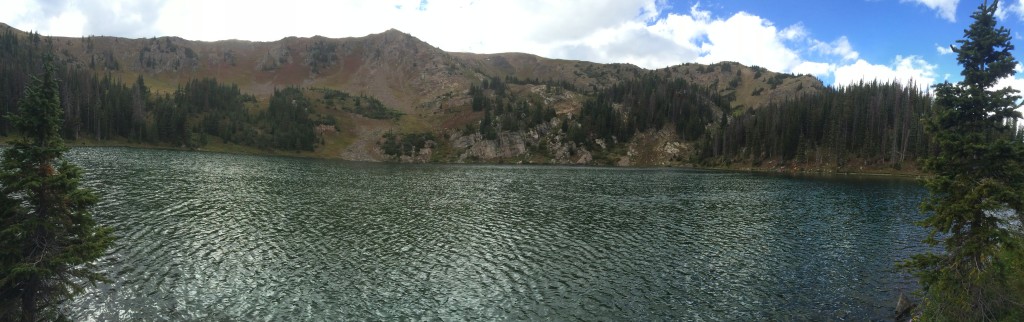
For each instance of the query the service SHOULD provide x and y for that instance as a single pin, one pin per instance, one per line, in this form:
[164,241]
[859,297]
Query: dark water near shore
[206,236]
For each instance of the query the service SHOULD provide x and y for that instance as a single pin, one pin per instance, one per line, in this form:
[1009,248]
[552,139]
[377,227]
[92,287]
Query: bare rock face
[568,153]
[462,142]
[515,145]
[512,144]
[673,149]
[508,145]
[623,161]
[904,309]
[422,155]
[166,54]
[277,56]
[584,157]
[659,148]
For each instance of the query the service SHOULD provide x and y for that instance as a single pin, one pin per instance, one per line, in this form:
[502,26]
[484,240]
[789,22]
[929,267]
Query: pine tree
[977,188]
[48,237]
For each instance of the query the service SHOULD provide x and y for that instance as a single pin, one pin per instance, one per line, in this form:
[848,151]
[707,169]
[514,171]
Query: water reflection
[216,236]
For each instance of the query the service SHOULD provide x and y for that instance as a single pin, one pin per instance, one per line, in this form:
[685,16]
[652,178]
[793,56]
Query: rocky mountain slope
[430,87]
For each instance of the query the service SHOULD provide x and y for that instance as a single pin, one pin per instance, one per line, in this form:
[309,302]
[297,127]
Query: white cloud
[816,69]
[794,32]
[67,23]
[1011,82]
[539,27]
[1015,83]
[747,39]
[125,18]
[905,70]
[943,50]
[641,32]
[1001,12]
[1008,7]
[27,14]
[840,48]
[944,8]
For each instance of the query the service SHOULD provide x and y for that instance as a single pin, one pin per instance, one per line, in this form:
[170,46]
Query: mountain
[393,96]
[399,69]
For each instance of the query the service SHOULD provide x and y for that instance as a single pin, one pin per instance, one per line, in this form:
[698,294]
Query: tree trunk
[28,300]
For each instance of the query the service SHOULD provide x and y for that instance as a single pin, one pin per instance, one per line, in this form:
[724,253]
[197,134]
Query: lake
[209,236]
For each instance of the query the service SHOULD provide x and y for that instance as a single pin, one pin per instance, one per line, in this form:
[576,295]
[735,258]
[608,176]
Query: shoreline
[885,172]
[242,150]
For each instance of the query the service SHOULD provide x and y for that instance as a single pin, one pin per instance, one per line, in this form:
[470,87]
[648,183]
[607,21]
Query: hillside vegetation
[390,96]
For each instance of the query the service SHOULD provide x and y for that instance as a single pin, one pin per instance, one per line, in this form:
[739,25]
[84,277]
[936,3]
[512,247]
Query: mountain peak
[395,35]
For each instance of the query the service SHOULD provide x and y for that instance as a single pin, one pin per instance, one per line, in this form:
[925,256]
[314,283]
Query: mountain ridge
[355,64]
[430,88]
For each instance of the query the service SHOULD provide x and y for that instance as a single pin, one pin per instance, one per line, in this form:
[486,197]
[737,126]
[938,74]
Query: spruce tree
[977,187]
[47,236]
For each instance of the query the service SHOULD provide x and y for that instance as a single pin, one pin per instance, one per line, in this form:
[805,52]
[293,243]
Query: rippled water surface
[206,236]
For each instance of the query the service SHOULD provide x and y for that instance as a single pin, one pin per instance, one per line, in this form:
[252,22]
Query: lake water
[208,236]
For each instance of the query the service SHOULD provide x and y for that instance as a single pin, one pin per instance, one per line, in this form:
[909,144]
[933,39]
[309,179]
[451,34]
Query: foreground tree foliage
[977,192]
[48,237]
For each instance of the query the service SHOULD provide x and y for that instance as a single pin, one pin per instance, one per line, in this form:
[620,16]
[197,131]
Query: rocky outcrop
[904,309]
[278,55]
[546,143]
[422,155]
[569,153]
[508,145]
[661,148]
[539,144]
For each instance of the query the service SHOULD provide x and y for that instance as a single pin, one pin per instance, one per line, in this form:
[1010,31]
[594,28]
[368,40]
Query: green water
[206,236]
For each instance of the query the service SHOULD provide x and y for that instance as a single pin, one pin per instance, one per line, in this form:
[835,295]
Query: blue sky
[839,41]
[878,30]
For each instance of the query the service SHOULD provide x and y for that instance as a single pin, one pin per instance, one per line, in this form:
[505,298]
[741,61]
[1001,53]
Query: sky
[839,41]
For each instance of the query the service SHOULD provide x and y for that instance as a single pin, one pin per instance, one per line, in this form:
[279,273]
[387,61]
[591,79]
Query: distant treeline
[105,108]
[651,102]
[870,122]
[873,124]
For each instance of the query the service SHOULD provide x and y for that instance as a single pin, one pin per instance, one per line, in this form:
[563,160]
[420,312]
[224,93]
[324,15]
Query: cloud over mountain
[647,33]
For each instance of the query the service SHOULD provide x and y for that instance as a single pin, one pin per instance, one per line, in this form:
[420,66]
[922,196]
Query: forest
[875,124]
[872,123]
[649,103]
[104,108]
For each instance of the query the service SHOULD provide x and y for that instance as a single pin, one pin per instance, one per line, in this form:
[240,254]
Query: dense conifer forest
[872,123]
